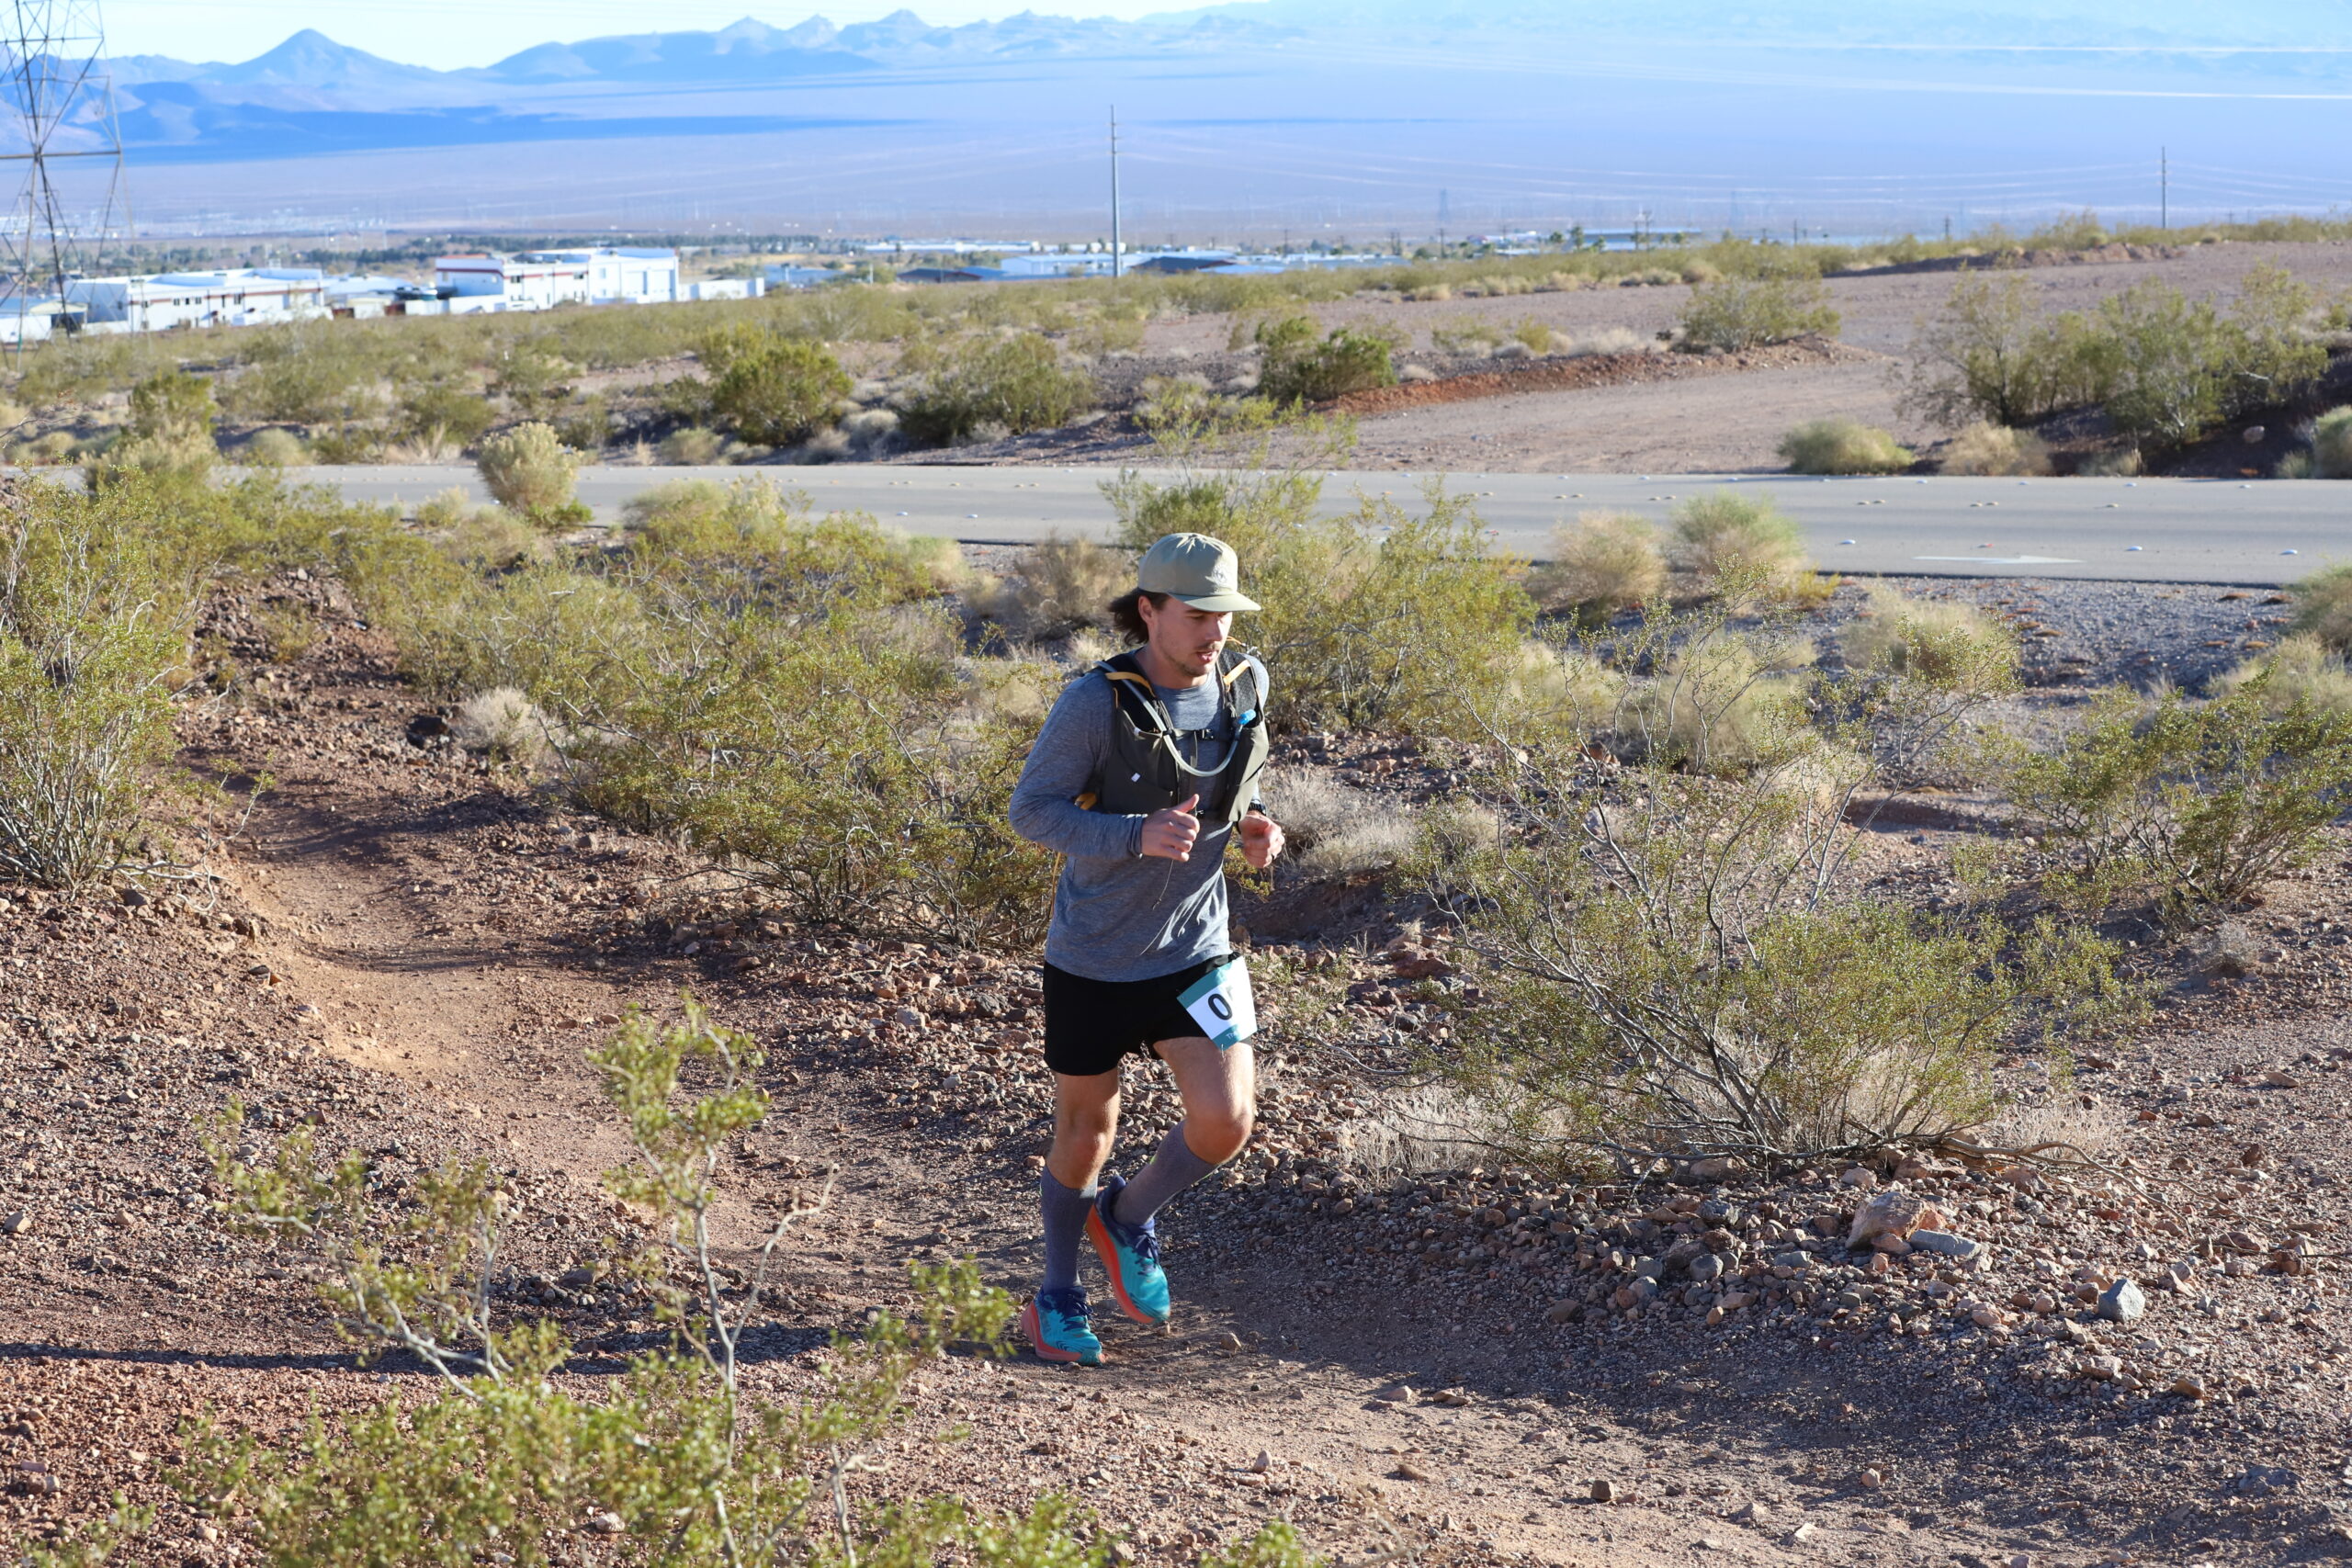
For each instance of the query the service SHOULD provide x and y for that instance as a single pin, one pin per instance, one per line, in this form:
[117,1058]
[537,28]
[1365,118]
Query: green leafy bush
[2331,438]
[445,411]
[1683,961]
[95,610]
[1741,313]
[990,385]
[767,387]
[2301,670]
[1605,562]
[2323,607]
[530,473]
[1842,446]
[1298,367]
[273,448]
[1745,545]
[2186,809]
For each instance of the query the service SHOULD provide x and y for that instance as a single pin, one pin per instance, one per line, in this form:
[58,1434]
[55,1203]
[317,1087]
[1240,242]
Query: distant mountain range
[1396,112]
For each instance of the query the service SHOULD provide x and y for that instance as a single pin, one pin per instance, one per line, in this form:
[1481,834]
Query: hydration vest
[1147,770]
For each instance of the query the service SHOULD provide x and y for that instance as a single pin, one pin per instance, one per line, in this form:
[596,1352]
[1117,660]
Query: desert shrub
[1935,638]
[169,432]
[2163,367]
[487,538]
[1907,661]
[1842,446]
[2331,438]
[674,1457]
[1683,962]
[1470,334]
[1986,449]
[446,412]
[692,446]
[1743,542]
[94,609]
[1604,562]
[273,448]
[2302,671]
[769,388]
[306,373]
[1013,384]
[530,473]
[2184,809]
[503,723]
[1609,340]
[532,377]
[1741,313]
[2323,607]
[1299,368]
[1058,586]
[1564,686]
[1378,619]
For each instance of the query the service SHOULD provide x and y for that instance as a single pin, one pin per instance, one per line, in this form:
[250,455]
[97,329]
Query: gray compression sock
[1064,1212]
[1171,1170]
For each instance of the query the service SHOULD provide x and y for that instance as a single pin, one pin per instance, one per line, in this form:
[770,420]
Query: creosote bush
[530,473]
[2323,607]
[1997,449]
[170,431]
[1299,367]
[1741,313]
[992,386]
[2301,670]
[2331,439]
[2184,809]
[1602,563]
[1842,446]
[764,386]
[96,604]
[1682,959]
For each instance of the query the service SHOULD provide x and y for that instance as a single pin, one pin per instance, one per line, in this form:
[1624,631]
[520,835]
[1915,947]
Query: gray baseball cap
[1201,571]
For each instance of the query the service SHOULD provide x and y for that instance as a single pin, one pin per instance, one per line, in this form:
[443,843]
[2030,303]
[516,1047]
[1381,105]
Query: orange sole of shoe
[1036,1336]
[1109,1254]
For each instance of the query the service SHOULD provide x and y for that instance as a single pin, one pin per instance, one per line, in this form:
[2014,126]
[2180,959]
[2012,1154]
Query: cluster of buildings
[463,285]
[1039,262]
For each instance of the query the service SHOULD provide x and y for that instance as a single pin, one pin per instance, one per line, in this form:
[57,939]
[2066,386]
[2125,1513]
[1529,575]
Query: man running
[1147,768]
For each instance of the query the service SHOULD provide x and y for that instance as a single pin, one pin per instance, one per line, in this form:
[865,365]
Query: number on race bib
[1219,1001]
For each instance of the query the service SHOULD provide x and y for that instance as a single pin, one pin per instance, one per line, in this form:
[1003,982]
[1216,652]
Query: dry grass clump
[2331,452]
[1563,687]
[2323,607]
[1609,340]
[1058,586]
[692,447]
[2301,669]
[503,723]
[1926,638]
[1842,446]
[1745,545]
[273,448]
[1997,449]
[530,473]
[1603,562]
[1337,831]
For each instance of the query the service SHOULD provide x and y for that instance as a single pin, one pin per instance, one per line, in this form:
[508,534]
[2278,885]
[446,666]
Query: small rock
[1869,1480]
[1564,1312]
[1803,1533]
[1264,1463]
[2278,1080]
[2188,1385]
[1713,1169]
[2122,1301]
[1394,1393]
[2099,1369]
[1408,1471]
[1986,1317]
[1860,1175]
[1893,1212]
[1753,1514]
[1603,1492]
[1945,1244]
[133,899]
[16,1224]
[602,1524]
[908,1018]
[2020,1560]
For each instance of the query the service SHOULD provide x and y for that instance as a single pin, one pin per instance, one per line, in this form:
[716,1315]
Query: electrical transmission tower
[58,124]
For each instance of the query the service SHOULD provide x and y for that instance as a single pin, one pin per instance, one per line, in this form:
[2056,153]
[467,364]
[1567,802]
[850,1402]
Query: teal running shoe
[1130,1256]
[1055,1323]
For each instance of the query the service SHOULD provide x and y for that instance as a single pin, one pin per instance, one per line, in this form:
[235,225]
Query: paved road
[2159,530]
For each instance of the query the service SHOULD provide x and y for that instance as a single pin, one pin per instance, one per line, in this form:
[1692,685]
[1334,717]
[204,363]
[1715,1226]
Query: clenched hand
[1170,834]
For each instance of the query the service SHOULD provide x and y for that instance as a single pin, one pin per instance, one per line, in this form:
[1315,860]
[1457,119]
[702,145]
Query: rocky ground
[1398,1344]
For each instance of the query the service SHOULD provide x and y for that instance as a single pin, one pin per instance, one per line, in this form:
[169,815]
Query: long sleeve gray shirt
[1118,914]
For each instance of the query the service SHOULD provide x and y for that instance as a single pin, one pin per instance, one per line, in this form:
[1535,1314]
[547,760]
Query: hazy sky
[447,33]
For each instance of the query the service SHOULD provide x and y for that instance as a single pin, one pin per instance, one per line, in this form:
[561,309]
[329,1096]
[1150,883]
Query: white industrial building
[537,280]
[241,296]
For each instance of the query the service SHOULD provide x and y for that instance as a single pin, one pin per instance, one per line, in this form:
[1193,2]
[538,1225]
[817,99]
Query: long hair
[1127,620]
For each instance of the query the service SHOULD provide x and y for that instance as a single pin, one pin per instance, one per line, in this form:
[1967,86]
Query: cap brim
[1220,604]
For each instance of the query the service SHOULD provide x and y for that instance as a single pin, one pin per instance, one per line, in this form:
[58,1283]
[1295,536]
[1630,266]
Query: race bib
[1220,1003]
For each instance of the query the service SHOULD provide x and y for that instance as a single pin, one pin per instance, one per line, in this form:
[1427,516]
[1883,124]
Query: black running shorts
[1091,1025]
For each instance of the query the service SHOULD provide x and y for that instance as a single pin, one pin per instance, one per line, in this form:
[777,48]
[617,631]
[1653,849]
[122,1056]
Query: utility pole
[2163,187]
[1118,248]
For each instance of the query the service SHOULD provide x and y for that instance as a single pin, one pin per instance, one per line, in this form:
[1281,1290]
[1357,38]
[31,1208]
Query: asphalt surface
[2256,533]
